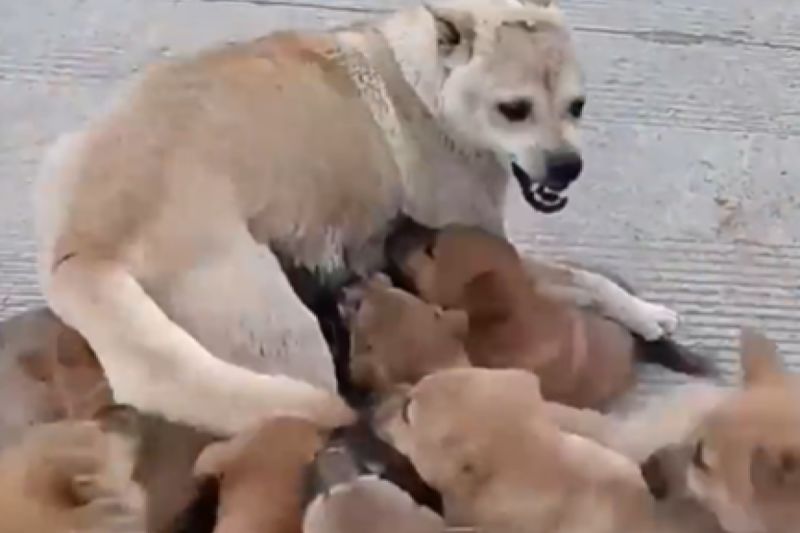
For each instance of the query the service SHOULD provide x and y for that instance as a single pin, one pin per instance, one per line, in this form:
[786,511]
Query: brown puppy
[261,474]
[396,338]
[73,477]
[47,373]
[743,459]
[582,358]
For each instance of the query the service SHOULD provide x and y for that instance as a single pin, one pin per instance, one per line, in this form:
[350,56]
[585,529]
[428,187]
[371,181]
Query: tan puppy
[396,338]
[73,477]
[481,437]
[519,321]
[743,460]
[261,474]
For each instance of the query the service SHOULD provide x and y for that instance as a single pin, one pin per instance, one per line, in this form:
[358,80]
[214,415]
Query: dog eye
[698,458]
[576,108]
[405,412]
[516,110]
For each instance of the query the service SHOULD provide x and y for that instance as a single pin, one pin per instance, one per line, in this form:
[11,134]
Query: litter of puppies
[453,439]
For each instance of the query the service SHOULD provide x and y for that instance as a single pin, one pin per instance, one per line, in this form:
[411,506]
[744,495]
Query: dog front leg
[582,287]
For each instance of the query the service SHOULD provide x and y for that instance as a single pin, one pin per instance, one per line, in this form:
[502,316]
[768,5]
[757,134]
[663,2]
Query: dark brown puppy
[515,321]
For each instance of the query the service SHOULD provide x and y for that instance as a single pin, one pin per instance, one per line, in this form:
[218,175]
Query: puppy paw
[655,321]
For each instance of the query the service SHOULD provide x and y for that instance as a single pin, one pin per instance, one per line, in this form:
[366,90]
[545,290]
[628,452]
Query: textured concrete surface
[693,134]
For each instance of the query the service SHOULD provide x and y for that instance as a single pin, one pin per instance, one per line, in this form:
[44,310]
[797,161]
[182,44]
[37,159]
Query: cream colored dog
[73,477]
[160,221]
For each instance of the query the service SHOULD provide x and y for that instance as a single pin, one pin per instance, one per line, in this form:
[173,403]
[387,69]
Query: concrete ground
[693,133]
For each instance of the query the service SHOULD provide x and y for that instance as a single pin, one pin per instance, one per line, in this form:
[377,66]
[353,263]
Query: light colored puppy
[159,222]
[73,477]
[742,458]
[483,438]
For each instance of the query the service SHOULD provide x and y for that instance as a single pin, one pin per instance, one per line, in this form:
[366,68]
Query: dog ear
[771,473]
[759,356]
[455,32]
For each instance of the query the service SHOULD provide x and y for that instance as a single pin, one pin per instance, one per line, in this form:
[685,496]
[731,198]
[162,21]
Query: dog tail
[674,356]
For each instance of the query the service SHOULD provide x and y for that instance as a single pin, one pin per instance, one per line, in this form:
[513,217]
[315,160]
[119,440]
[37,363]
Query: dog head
[743,461]
[513,86]
[456,423]
[398,338]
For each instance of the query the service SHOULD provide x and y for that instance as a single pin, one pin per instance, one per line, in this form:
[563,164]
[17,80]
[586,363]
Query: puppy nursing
[513,321]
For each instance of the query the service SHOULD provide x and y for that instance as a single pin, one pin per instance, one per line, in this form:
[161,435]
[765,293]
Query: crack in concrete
[308,5]
[688,39]
[655,36]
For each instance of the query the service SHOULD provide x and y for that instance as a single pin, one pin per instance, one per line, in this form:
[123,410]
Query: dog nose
[563,167]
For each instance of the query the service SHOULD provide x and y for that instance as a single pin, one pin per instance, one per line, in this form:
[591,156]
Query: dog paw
[656,321]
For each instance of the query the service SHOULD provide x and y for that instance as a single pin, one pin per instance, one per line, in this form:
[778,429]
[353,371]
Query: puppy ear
[455,32]
[215,459]
[458,322]
[759,356]
[775,473]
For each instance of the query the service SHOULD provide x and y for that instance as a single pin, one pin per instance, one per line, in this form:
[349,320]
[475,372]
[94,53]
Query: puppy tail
[674,356]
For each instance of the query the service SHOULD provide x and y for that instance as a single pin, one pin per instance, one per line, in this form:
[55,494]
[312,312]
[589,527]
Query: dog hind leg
[158,367]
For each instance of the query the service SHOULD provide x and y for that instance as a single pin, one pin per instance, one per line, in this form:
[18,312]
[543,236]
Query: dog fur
[157,221]
[73,477]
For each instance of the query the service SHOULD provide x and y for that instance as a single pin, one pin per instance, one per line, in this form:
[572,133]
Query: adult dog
[160,224]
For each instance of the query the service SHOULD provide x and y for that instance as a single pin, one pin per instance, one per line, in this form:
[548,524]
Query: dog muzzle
[539,195]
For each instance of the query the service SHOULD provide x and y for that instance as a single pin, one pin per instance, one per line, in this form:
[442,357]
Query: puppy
[482,437]
[396,338]
[581,358]
[261,475]
[742,460]
[73,477]
[47,373]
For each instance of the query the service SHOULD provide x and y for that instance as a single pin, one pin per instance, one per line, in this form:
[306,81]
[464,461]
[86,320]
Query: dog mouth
[543,197]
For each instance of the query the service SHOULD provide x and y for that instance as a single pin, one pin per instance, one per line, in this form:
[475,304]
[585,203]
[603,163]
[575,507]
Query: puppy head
[263,464]
[397,338]
[454,424]
[743,461]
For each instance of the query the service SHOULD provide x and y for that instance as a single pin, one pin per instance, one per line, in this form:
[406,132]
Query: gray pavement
[693,133]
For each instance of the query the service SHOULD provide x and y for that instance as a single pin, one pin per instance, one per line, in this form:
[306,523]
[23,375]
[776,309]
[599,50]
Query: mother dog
[160,224]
